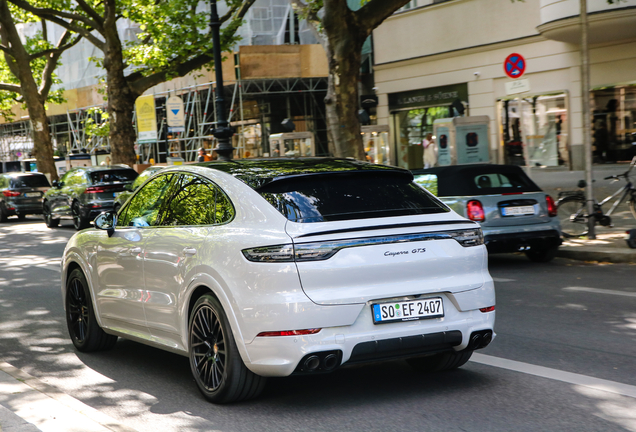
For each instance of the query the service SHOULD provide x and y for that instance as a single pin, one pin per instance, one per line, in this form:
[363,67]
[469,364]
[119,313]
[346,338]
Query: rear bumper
[513,242]
[364,341]
[14,208]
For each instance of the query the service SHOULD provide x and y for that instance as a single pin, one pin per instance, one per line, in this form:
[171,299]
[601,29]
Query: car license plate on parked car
[513,211]
[32,194]
[407,310]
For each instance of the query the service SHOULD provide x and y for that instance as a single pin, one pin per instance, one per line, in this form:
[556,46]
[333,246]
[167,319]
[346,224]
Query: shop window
[614,124]
[541,122]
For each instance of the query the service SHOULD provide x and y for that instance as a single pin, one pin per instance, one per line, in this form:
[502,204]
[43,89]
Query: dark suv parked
[85,192]
[21,194]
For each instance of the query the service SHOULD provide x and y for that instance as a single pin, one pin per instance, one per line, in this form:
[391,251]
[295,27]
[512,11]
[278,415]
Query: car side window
[74,178]
[192,202]
[143,209]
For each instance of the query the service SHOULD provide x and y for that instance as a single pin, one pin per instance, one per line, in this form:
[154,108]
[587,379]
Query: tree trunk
[121,103]
[344,53]
[42,145]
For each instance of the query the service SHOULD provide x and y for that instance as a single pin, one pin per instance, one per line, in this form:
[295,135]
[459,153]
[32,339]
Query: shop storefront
[613,123]
[413,114]
[541,123]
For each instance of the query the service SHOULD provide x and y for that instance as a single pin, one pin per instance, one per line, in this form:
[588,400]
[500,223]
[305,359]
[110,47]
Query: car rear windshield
[33,181]
[345,196]
[113,176]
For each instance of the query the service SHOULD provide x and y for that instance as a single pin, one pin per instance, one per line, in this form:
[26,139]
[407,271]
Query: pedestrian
[203,156]
[430,156]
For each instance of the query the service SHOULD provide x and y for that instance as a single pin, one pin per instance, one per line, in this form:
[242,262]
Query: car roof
[20,174]
[458,180]
[102,167]
[259,172]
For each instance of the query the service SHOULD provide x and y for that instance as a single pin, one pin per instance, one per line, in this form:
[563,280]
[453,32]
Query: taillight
[279,253]
[288,333]
[475,211]
[552,208]
[9,193]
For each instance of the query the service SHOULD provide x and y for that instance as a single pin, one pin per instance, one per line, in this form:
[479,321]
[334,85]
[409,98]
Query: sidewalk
[30,405]
[610,246]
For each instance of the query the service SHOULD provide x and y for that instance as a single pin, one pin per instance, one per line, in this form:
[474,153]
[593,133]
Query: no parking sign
[515,65]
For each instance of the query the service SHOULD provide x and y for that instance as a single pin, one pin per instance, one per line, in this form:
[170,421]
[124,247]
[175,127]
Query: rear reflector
[487,309]
[475,211]
[289,333]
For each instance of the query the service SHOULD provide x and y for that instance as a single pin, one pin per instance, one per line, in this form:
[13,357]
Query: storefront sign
[146,119]
[517,86]
[434,96]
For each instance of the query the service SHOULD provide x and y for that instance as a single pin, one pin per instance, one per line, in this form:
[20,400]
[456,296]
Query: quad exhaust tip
[325,361]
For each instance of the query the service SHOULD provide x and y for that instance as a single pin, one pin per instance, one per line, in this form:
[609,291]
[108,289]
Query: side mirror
[55,184]
[107,221]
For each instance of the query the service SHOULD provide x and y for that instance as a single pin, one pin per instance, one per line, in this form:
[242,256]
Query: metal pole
[222,132]
[587,123]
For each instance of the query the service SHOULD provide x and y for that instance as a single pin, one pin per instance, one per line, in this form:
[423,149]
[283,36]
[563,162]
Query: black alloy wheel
[78,221]
[48,217]
[82,325]
[216,364]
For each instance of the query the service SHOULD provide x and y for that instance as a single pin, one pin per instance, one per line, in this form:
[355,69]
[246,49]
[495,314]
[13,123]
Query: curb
[600,254]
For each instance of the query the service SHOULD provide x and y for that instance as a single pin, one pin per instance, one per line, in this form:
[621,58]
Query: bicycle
[572,206]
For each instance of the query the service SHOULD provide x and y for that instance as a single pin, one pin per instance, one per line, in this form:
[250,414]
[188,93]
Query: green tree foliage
[27,75]
[174,39]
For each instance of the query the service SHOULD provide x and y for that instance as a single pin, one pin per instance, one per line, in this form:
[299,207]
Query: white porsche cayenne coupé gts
[257,268]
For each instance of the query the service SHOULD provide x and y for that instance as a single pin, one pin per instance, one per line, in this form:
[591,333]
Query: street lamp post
[222,132]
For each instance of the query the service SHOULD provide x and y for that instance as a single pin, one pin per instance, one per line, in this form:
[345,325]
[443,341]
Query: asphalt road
[564,360]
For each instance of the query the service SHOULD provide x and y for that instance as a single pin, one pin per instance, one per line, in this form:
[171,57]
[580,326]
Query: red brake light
[552,208]
[9,193]
[487,309]
[289,333]
[475,211]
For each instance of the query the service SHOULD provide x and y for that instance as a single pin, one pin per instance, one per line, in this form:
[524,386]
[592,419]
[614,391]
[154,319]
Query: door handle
[190,251]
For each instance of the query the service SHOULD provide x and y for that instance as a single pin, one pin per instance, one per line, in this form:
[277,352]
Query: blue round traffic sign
[515,65]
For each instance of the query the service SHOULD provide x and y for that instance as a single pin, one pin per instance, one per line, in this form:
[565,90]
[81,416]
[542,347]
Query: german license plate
[409,310]
[32,194]
[521,210]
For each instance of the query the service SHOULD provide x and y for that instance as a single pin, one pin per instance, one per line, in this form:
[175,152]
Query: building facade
[436,59]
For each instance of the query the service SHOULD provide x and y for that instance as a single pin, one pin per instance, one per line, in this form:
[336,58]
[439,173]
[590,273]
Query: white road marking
[601,291]
[557,375]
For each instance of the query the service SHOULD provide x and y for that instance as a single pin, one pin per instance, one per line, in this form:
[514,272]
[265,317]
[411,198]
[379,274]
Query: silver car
[515,215]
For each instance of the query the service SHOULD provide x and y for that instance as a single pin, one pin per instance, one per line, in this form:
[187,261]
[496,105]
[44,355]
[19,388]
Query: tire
[632,204]
[215,362]
[86,334]
[21,216]
[440,362]
[48,218]
[79,222]
[542,255]
[3,213]
[571,212]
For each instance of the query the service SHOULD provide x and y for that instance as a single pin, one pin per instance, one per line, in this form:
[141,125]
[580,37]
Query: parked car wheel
[3,213]
[79,222]
[440,362]
[48,217]
[215,361]
[542,255]
[83,328]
